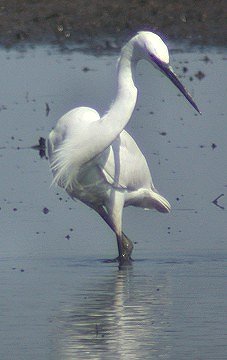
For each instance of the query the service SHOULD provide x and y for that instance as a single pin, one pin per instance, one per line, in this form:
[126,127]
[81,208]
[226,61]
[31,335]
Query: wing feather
[65,154]
[125,166]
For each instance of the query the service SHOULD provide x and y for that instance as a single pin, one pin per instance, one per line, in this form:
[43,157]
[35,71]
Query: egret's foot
[120,260]
[125,251]
[110,261]
[127,246]
[124,261]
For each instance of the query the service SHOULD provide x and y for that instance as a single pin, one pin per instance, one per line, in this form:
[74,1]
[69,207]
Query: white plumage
[96,161]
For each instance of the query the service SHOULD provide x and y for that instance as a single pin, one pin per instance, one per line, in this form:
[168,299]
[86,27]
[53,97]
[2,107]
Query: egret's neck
[121,109]
[126,89]
[109,127]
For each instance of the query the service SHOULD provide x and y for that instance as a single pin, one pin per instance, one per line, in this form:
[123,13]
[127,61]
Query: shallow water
[59,300]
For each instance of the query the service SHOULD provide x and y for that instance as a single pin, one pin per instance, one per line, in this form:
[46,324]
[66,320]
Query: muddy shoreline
[77,21]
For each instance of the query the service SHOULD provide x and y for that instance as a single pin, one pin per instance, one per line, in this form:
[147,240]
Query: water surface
[59,300]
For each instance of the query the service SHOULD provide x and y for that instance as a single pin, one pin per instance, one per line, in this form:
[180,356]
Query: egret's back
[120,167]
[67,149]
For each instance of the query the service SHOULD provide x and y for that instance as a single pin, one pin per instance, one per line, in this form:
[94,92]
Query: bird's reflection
[124,316]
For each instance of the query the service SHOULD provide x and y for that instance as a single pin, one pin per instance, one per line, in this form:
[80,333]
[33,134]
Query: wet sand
[203,22]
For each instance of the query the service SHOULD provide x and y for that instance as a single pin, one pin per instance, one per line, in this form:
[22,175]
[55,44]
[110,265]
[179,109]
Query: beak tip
[200,113]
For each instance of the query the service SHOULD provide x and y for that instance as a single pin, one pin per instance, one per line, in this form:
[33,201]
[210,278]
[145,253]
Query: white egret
[96,161]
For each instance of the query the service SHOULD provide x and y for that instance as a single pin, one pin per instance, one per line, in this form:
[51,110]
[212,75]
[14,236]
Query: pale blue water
[59,300]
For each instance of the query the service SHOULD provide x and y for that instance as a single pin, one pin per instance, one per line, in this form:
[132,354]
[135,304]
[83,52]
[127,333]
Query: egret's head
[149,46]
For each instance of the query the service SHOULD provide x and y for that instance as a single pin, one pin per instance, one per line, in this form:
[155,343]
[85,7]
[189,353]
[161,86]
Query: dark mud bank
[26,21]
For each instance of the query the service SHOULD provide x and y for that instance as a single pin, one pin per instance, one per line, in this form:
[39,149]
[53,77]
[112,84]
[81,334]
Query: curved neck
[109,126]
[122,108]
[126,90]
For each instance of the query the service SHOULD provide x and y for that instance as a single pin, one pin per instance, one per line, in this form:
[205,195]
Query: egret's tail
[160,203]
[148,199]
[61,159]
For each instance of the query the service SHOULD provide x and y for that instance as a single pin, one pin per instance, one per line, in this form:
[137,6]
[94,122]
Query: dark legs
[125,245]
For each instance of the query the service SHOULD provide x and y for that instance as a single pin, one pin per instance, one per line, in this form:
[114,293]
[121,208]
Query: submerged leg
[114,209]
[125,245]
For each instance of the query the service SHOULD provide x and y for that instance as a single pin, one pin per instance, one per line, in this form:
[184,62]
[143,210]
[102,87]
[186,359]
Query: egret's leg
[114,209]
[127,245]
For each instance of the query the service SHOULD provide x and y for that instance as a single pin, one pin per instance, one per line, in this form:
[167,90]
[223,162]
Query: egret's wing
[66,145]
[125,166]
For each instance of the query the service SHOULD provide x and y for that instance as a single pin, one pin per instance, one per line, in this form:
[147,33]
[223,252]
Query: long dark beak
[168,71]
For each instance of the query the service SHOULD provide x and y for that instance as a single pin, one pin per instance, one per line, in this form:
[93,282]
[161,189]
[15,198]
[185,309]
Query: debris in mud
[206,59]
[213,146]
[45,210]
[215,202]
[86,69]
[21,270]
[163,133]
[21,35]
[41,147]
[47,109]
[42,143]
[200,75]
